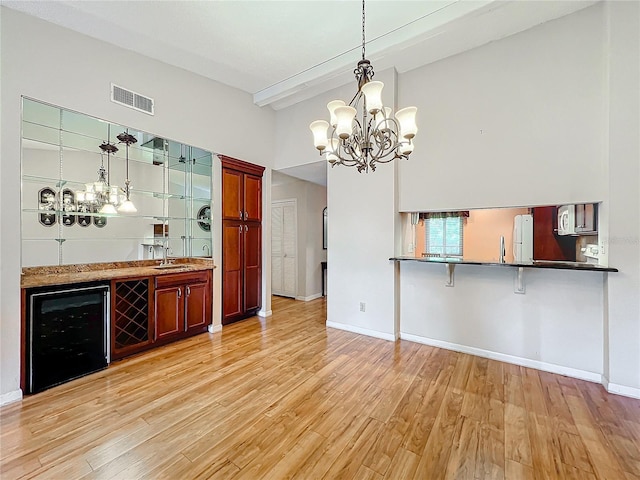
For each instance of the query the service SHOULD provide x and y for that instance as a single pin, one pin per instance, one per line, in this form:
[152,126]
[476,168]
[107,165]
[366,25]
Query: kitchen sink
[171,266]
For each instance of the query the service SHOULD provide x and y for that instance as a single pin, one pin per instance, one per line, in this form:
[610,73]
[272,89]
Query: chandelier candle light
[378,137]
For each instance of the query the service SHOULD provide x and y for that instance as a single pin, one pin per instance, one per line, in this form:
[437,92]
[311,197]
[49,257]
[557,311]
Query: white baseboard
[621,389]
[310,297]
[502,357]
[10,397]
[265,313]
[214,328]
[362,331]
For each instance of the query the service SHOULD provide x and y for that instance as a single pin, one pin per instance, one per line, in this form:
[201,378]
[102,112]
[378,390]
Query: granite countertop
[558,265]
[92,272]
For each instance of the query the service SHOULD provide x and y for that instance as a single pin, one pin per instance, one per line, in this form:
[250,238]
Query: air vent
[131,99]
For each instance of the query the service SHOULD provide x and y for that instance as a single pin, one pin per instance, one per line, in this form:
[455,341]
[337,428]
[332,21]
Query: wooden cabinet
[150,311]
[182,305]
[241,239]
[547,244]
[241,193]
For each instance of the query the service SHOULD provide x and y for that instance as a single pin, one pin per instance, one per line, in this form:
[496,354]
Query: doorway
[284,240]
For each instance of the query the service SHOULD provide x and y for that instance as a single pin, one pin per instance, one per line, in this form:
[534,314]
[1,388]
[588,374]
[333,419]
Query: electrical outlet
[411,248]
[362,306]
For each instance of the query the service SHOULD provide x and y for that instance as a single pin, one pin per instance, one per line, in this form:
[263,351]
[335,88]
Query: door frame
[275,203]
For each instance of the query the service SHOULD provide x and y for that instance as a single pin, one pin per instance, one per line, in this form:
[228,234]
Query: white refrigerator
[523,238]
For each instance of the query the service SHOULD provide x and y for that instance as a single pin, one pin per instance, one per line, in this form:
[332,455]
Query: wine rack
[130,316]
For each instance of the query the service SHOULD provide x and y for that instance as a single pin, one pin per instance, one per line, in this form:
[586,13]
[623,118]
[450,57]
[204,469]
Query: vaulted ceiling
[285,51]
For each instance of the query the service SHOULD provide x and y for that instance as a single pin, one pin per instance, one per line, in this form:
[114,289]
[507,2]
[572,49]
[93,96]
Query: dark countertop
[92,272]
[558,265]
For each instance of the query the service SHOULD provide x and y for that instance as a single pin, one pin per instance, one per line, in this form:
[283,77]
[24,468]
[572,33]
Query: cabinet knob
[246,228]
[246,215]
[188,290]
[240,227]
[179,292]
[241,217]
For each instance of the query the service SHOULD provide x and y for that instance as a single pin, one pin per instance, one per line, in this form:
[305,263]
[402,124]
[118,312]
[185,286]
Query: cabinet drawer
[181,278]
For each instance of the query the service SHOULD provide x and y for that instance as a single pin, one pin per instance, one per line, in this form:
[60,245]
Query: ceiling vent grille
[131,99]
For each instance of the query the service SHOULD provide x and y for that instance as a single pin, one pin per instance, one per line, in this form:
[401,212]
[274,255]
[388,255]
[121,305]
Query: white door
[283,248]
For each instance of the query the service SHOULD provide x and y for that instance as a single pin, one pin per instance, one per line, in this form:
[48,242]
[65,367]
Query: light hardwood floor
[286,397]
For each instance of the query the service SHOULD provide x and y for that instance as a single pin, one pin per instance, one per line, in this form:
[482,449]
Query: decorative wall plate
[47,204]
[204,218]
[99,221]
[68,205]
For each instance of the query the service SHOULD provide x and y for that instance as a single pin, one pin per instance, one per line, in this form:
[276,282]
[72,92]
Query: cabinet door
[232,235]
[169,311]
[252,266]
[196,305]
[252,198]
[232,207]
[585,218]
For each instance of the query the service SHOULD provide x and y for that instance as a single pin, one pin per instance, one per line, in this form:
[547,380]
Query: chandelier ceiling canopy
[377,136]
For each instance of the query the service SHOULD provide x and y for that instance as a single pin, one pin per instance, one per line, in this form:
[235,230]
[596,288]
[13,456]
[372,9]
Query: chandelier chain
[363,37]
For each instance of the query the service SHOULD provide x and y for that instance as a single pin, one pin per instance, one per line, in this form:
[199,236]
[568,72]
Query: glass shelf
[75,185]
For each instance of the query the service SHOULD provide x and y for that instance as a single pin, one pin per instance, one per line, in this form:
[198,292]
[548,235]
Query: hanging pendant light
[377,137]
[127,205]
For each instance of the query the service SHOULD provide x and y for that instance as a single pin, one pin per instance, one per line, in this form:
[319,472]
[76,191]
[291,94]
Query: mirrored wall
[74,164]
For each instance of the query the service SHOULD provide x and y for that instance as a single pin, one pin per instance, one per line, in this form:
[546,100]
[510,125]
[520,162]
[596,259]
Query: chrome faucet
[502,249]
[165,255]
[208,249]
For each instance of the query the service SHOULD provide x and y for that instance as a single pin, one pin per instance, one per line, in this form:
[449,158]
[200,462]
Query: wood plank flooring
[286,397]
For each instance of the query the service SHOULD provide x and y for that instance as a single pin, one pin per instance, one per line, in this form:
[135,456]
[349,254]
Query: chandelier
[100,196]
[377,137]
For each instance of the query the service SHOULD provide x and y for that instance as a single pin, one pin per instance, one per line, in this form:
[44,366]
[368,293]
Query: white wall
[55,65]
[557,329]
[622,312]
[362,219]
[310,201]
[530,111]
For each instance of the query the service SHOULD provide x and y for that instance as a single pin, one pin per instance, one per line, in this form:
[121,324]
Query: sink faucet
[208,250]
[165,254]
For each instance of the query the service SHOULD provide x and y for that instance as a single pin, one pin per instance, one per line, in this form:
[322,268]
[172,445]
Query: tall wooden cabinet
[241,239]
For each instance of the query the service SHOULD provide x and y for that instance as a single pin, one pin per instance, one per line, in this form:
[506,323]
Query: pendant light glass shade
[108,208]
[373,96]
[127,207]
[406,148]
[344,117]
[319,129]
[407,120]
[331,106]
[383,119]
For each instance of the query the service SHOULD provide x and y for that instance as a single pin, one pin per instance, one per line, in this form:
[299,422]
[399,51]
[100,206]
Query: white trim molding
[620,389]
[362,331]
[310,297]
[10,397]
[265,313]
[214,328]
[502,357]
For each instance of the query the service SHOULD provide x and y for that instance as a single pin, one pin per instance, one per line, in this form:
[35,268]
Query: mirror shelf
[171,186]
